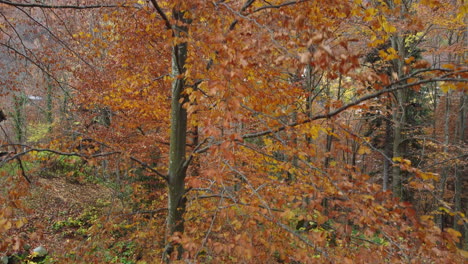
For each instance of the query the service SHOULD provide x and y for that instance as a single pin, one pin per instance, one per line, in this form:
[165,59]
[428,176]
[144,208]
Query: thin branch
[162,14]
[444,161]
[277,6]
[146,166]
[294,233]
[366,142]
[20,162]
[194,151]
[222,196]
[267,207]
[57,38]
[259,25]
[354,103]
[145,211]
[10,3]
[160,77]
[208,232]
[75,154]
[38,65]
[246,5]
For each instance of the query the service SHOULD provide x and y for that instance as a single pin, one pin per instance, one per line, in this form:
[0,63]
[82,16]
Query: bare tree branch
[57,39]
[18,158]
[16,4]
[38,65]
[278,6]
[162,14]
[335,112]
[75,154]
[244,7]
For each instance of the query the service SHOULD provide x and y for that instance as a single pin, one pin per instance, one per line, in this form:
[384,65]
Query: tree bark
[178,136]
[445,170]
[398,115]
[387,151]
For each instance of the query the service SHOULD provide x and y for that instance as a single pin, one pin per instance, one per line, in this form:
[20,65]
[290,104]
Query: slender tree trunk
[308,87]
[49,102]
[19,120]
[396,173]
[460,203]
[178,136]
[387,151]
[434,106]
[457,202]
[444,174]
[398,115]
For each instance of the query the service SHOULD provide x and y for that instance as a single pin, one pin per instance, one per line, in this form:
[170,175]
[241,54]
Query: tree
[265,85]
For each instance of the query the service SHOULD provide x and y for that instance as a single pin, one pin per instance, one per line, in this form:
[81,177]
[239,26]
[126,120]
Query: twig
[75,154]
[162,14]
[146,211]
[354,103]
[235,201]
[20,162]
[57,6]
[205,239]
[277,6]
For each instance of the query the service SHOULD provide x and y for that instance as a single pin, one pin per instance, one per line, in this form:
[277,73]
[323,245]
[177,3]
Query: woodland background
[242,131]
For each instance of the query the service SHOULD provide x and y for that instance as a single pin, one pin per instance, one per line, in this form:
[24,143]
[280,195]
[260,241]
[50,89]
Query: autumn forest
[233,131]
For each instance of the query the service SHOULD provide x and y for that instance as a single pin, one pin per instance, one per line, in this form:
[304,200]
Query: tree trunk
[387,151]
[19,119]
[398,115]
[444,173]
[178,135]
[397,138]
[459,187]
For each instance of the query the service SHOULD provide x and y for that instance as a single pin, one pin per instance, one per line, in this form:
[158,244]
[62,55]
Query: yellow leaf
[463,253]
[364,150]
[367,197]
[371,12]
[428,176]
[445,87]
[448,66]
[288,214]
[447,211]
[20,222]
[453,232]
[401,160]
[426,218]
[383,54]
[409,60]
[387,27]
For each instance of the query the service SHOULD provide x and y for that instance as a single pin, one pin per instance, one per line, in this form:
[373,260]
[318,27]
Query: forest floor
[57,211]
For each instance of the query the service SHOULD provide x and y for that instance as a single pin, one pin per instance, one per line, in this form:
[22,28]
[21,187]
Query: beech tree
[247,112]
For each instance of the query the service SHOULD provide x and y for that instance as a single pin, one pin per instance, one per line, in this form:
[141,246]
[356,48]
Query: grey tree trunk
[178,135]
[459,187]
[397,139]
[388,152]
[19,117]
[445,170]
[398,115]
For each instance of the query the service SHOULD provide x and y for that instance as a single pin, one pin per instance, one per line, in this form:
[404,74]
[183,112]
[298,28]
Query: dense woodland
[233,131]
